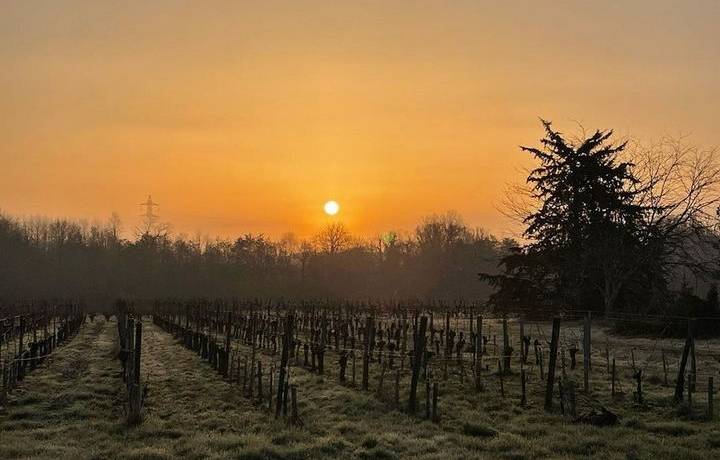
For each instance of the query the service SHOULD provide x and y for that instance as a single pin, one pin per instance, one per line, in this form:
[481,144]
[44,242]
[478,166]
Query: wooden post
[523,397]
[551,365]
[366,353]
[226,360]
[689,343]
[321,359]
[664,363]
[419,349]
[612,385]
[134,415]
[478,354]
[134,389]
[435,416]
[343,364]
[638,378]
[607,355]
[138,351]
[284,361]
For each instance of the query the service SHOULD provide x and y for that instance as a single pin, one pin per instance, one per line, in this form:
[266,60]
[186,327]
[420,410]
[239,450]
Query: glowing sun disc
[331,208]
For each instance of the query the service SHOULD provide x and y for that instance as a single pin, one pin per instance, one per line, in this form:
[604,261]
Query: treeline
[42,258]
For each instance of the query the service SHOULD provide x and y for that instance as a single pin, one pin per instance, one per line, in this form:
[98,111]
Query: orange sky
[247,116]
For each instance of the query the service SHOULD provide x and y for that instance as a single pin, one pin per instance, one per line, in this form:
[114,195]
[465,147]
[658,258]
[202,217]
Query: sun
[331,208]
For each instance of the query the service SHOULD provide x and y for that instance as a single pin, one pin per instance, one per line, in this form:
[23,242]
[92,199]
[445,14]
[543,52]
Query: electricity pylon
[149,217]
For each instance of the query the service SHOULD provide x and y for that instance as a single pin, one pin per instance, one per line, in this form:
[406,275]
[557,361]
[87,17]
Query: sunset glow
[367,212]
[240,116]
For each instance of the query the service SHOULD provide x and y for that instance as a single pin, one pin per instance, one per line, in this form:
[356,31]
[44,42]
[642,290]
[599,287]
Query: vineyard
[312,380]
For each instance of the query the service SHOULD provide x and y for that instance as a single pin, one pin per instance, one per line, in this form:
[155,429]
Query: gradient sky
[242,116]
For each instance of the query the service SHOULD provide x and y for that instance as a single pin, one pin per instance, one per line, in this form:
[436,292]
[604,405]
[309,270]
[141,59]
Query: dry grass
[71,407]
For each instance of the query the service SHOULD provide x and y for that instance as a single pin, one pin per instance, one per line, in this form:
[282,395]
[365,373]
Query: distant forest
[609,226]
[43,258]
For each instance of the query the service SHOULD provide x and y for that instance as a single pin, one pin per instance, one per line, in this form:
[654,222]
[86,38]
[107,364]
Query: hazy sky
[243,116]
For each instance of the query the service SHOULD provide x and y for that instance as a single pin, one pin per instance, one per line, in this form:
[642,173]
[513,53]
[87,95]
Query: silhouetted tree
[607,228]
[587,214]
[333,238]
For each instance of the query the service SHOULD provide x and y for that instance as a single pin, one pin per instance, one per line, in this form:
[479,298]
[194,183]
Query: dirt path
[190,411]
[66,407]
[73,405]
[209,417]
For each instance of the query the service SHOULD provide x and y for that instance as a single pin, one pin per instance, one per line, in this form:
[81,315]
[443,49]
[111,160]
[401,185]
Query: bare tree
[333,238]
[441,232]
[679,187]
[115,224]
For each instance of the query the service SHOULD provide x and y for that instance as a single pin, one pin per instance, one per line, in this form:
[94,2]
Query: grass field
[72,407]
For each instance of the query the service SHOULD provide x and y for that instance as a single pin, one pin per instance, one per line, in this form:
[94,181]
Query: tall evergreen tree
[586,227]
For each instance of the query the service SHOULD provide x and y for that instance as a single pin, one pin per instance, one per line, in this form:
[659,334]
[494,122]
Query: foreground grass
[66,408]
[71,407]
